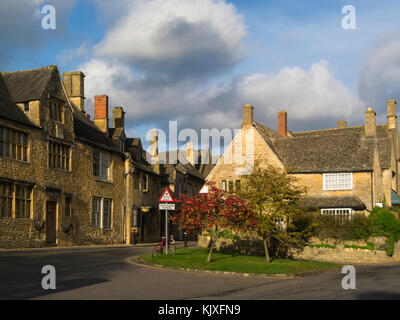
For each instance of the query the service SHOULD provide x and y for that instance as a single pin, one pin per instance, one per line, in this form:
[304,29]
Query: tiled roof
[322,202]
[27,85]
[87,132]
[8,109]
[330,150]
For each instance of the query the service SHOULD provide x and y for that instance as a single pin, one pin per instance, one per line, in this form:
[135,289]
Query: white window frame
[104,170]
[339,213]
[329,186]
[100,201]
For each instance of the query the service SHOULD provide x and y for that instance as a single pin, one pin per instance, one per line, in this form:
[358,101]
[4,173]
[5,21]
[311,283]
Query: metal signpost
[166,202]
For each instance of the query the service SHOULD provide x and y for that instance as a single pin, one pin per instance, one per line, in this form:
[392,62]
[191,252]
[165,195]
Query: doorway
[51,220]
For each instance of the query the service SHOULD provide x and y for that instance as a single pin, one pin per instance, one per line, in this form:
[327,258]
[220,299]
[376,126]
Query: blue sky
[200,66]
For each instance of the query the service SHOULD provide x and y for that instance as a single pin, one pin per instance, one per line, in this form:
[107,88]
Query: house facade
[52,189]
[345,169]
[68,180]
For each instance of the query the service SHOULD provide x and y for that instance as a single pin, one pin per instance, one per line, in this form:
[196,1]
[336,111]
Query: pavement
[102,272]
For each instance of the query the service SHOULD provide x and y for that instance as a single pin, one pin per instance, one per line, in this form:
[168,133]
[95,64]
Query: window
[135,217]
[26,106]
[68,206]
[101,213]
[59,155]
[6,198]
[136,178]
[56,111]
[122,145]
[338,181]
[13,144]
[101,165]
[223,185]
[20,195]
[237,185]
[22,201]
[340,214]
[230,186]
[145,182]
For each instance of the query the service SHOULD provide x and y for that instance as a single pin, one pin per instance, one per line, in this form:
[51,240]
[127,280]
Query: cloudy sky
[199,61]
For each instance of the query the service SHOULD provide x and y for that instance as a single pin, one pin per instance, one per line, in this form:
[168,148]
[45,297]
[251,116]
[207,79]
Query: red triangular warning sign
[166,196]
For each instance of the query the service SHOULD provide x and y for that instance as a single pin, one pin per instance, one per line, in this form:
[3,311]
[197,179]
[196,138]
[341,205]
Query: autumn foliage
[213,212]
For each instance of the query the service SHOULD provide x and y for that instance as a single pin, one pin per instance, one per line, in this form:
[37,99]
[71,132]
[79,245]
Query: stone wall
[338,254]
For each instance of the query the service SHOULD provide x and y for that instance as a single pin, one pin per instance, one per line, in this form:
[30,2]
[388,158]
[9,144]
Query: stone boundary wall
[338,254]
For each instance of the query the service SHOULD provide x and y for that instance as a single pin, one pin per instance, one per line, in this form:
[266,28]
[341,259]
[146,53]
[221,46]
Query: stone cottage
[345,169]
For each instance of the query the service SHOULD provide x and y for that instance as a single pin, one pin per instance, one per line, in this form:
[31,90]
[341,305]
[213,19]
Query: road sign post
[166,202]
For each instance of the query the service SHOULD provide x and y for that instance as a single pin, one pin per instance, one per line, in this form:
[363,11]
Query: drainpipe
[372,190]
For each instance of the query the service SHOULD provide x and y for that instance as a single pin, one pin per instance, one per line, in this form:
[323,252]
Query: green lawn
[197,259]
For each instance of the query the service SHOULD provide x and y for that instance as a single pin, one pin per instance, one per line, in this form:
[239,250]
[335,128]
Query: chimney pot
[101,113]
[190,156]
[391,114]
[282,123]
[248,115]
[370,123]
[74,84]
[118,117]
[341,124]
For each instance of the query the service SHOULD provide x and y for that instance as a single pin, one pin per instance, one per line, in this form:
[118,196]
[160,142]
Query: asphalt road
[102,273]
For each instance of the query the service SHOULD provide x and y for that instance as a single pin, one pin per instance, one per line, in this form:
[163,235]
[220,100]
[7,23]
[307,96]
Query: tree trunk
[211,249]
[266,245]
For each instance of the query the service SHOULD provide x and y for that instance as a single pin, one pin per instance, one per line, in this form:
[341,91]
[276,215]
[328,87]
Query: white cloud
[306,95]
[379,78]
[175,37]
[309,96]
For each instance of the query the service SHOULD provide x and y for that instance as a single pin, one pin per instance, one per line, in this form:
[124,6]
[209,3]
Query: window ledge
[103,180]
[16,160]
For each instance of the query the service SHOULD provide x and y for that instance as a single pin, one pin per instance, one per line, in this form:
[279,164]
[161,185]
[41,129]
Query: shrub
[354,229]
[384,223]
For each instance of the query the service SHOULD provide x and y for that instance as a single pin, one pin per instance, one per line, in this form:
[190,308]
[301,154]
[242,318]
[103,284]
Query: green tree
[214,212]
[273,195]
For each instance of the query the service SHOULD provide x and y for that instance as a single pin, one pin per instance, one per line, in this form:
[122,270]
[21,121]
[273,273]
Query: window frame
[339,216]
[330,186]
[104,172]
[99,222]
[17,200]
[59,156]
[14,144]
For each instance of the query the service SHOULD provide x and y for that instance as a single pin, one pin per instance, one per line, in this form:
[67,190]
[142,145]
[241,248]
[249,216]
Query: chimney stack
[248,115]
[341,124]
[154,143]
[154,159]
[370,123]
[101,113]
[118,117]
[282,123]
[74,84]
[190,156]
[391,114]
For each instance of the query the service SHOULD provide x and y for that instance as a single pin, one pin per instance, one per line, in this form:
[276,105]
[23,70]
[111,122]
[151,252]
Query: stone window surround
[23,144]
[15,199]
[64,153]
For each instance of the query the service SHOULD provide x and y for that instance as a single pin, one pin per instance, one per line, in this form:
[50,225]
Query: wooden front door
[51,209]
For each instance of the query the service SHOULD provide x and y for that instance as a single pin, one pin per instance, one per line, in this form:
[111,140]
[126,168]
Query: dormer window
[26,106]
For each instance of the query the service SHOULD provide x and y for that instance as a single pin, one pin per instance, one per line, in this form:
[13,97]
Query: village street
[103,273]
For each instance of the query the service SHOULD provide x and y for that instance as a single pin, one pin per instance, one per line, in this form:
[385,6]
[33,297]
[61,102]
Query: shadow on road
[30,292]
[377,295]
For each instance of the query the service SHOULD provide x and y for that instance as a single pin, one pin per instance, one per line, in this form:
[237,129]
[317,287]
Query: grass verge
[194,258]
